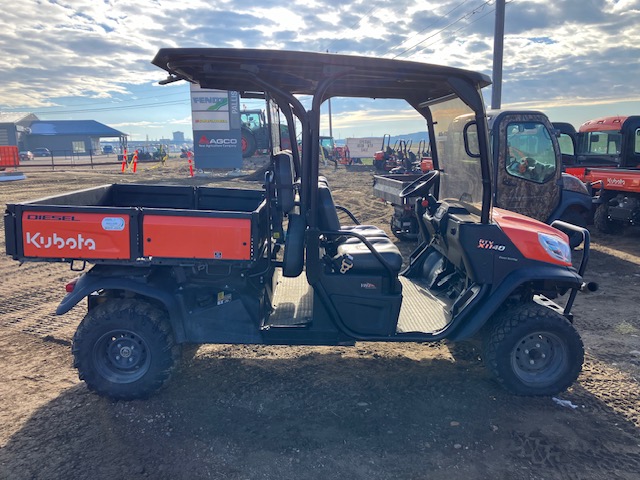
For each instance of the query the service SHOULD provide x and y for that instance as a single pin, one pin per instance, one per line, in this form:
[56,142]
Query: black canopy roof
[246,70]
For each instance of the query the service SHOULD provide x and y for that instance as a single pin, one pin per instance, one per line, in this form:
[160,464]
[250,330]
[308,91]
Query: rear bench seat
[357,257]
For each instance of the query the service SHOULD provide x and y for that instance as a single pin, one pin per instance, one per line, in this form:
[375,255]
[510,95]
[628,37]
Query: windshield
[599,143]
[461,175]
[531,152]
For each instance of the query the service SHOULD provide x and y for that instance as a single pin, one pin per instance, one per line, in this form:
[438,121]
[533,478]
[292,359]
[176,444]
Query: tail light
[69,287]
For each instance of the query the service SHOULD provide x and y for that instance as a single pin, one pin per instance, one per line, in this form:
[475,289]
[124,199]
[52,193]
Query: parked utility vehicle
[182,264]
[528,177]
[605,154]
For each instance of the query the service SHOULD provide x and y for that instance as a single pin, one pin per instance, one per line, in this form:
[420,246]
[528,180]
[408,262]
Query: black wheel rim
[121,356]
[539,358]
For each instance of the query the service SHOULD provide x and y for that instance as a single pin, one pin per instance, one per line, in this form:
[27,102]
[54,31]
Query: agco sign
[224,141]
[218,142]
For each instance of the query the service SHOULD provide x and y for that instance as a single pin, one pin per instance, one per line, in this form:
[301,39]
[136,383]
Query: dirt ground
[373,411]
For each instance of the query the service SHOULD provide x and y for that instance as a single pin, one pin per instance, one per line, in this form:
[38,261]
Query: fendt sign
[216,128]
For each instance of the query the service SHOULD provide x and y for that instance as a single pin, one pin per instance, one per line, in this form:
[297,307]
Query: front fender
[564,277]
[572,201]
[88,283]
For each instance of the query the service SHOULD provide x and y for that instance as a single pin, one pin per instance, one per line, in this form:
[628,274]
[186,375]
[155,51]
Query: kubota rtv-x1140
[186,264]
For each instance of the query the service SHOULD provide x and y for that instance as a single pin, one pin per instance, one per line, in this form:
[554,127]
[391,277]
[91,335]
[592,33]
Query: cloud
[55,52]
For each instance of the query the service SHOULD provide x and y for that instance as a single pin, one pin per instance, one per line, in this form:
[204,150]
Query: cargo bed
[125,223]
[388,187]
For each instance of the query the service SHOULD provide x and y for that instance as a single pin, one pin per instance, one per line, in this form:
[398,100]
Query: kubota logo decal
[615,181]
[489,245]
[74,243]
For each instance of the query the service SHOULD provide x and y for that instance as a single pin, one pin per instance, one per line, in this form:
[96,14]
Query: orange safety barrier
[190,158]
[9,157]
[124,160]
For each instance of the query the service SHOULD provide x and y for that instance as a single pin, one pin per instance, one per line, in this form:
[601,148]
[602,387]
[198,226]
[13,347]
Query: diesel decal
[74,243]
[489,245]
[49,216]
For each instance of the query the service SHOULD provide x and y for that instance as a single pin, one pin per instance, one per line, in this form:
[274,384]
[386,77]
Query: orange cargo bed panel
[76,235]
[196,237]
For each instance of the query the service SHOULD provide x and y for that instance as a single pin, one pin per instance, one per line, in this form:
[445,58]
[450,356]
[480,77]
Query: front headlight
[555,247]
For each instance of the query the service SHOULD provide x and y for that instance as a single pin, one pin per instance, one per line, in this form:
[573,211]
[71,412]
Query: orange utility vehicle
[605,154]
[191,264]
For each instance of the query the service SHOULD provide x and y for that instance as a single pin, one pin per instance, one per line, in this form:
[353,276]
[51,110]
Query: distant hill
[414,137]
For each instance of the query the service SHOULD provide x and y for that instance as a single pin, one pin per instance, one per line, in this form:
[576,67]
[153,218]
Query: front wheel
[124,349]
[532,350]
[602,221]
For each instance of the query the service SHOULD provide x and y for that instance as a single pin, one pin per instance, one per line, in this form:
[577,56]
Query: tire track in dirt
[29,301]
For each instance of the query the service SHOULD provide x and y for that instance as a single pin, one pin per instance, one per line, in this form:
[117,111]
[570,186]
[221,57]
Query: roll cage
[281,75]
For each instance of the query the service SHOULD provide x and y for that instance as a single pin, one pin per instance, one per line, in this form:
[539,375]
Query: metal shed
[71,137]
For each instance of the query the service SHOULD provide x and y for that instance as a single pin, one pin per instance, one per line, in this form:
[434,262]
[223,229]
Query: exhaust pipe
[589,287]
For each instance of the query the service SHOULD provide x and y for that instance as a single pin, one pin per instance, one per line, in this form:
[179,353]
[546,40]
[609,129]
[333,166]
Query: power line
[124,107]
[465,16]
[117,105]
[459,29]
[423,30]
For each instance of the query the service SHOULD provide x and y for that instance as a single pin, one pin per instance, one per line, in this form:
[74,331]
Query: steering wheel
[420,185]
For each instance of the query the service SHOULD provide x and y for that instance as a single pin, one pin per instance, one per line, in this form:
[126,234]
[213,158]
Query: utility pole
[330,121]
[498,50]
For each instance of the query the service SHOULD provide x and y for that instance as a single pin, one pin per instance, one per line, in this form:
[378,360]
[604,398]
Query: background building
[77,137]
[14,127]
[61,137]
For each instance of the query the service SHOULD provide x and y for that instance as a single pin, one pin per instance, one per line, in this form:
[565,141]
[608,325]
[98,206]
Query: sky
[89,59]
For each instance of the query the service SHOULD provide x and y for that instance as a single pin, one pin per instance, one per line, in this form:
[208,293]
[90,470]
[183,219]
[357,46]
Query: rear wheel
[602,221]
[124,349]
[248,142]
[532,350]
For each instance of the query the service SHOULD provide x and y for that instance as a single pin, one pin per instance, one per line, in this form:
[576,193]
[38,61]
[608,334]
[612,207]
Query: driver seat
[328,216]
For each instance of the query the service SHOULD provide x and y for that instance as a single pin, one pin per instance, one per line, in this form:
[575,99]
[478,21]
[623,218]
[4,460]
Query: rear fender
[559,276]
[87,284]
